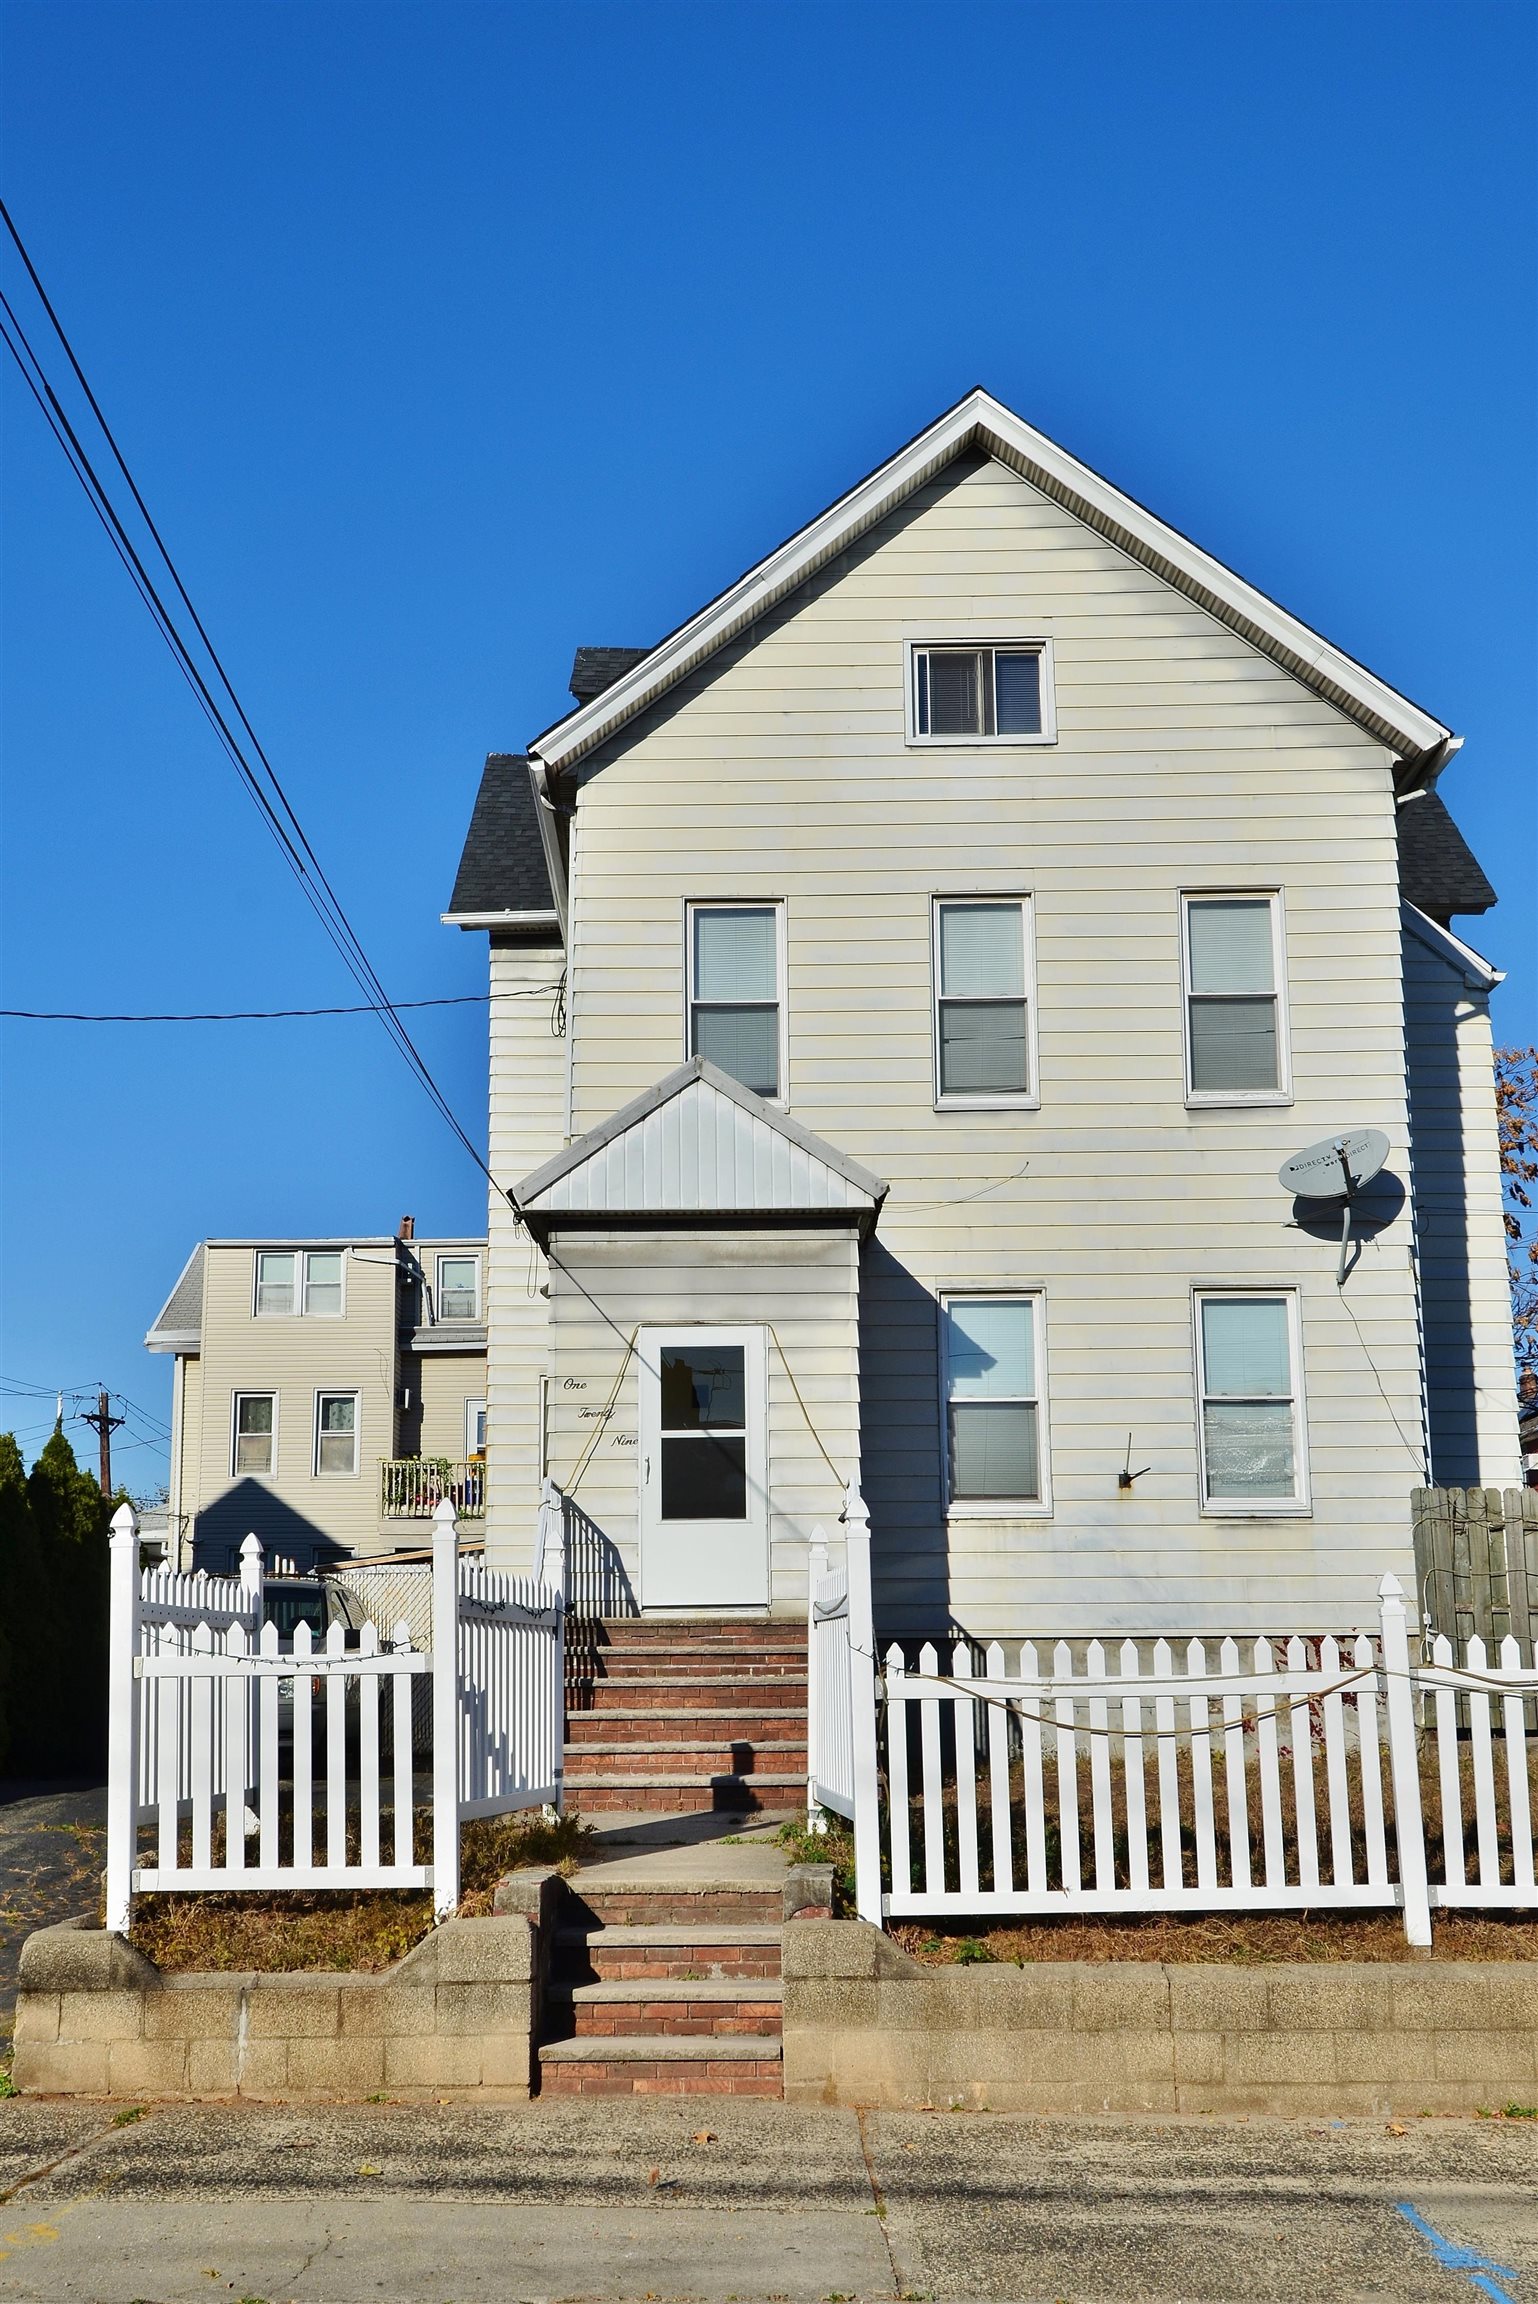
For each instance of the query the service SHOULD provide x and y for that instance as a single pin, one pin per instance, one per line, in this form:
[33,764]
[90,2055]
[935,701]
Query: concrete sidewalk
[368,2204]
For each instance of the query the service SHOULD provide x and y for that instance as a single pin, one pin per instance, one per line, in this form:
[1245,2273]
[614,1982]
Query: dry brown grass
[1246,1939]
[363,1929]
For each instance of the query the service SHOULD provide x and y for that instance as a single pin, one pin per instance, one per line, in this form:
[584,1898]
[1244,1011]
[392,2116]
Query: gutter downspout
[550,814]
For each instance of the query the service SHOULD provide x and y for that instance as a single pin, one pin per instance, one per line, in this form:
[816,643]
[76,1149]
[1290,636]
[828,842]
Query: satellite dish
[1335,1167]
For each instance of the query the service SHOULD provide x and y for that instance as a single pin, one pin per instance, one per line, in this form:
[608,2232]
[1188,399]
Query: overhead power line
[271,1015]
[264,788]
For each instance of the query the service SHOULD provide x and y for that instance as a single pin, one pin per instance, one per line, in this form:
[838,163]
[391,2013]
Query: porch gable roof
[699,1144]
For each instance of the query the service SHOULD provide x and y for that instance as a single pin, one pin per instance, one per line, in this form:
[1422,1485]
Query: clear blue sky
[444,338]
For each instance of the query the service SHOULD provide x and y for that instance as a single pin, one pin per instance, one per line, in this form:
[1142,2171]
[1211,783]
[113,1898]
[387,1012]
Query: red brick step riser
[671,2019]
[591,1963]
[741,1757]
[683,1799]
[662,1907]
[681,2078]
[755,1727]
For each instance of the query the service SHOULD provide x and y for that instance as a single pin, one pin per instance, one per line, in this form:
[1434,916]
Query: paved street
[687,2200]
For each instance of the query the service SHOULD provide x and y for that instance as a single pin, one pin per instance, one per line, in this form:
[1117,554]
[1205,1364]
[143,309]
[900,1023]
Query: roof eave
[1478,973]
[1418,739]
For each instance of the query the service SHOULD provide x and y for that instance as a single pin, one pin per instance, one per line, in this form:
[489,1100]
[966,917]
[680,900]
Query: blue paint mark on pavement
[1456,2258]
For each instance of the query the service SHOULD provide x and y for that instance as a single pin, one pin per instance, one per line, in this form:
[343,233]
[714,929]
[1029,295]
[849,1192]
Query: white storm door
[704,1517]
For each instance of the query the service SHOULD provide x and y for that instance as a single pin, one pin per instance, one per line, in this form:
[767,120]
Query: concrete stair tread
[638,1935]
[753,1779]
[688,1744]
[623,1989]
[692,1713]
[664,2048]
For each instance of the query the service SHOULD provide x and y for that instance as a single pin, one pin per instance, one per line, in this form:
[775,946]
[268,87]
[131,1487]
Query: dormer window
[998,693]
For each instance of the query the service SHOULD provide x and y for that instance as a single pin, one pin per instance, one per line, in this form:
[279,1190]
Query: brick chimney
[408,1230]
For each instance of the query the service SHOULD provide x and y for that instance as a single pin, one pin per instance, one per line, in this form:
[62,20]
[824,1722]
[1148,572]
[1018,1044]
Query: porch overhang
[699,1149]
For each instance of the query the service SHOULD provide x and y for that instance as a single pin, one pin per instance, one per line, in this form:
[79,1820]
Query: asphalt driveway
[53,1846]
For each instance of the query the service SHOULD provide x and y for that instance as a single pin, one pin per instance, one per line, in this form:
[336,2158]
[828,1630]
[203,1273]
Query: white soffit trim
[981,422]
[1480,974]
[524,920]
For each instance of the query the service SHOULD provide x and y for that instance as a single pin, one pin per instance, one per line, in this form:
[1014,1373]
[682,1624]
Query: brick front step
[661,2065]
[698,2007]
[703,1671]
[620,1955]
[664,1795]
[709,1697]
[626,1725]
[702,1909]
[737,1756]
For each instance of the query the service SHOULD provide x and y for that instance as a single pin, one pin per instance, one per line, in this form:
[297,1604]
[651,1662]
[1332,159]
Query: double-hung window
[736,991]
[336,1433]
[290,1280]
[255,1444]
[979,694]
[459,1287]
[1251,1401]
[982,1024]
[995,1442]
[1235,1016]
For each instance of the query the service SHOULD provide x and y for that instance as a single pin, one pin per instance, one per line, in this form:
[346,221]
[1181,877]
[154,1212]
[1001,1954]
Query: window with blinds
[735,969]
[982,1000]
[1251,1423]
[1235,1043]
[255,1444]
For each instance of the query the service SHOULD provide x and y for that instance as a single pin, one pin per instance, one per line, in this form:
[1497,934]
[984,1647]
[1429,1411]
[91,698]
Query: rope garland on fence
[989,1693]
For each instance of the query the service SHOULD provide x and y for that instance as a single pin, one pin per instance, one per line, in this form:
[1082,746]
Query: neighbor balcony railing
[412,1487]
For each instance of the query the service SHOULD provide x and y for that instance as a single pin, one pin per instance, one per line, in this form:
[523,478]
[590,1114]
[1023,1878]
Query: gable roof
[1438,871]
[699,1144]
[503,880]
[981,423]
[179,1327]
[1478,973]
[595,669]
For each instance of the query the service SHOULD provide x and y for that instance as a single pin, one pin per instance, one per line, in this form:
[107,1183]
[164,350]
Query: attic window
[995,694]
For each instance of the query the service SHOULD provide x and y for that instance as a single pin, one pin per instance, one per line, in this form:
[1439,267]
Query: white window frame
[301,1304]
[239,1471]
[474,1408]
[1203,1099]
[1027,1099]
[1300,1504]
[996,1507]
[455,1256]
[341,1263]
[338,1392]
[776,905]
[1033,643]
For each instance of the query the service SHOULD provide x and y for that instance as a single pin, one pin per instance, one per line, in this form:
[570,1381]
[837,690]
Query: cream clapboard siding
[1183,759]
[1466,1307]
[527,1124]
[803,1285]
[186,1449]
[448,1380]
[295,1357]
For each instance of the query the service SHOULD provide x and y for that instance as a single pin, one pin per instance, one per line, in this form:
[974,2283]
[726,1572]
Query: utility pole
[106,1424]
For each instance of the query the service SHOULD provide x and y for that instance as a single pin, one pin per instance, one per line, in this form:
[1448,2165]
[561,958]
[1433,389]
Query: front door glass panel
[703,1436]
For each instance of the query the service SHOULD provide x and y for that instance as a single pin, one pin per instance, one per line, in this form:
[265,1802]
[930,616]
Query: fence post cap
[251,1547]
[444,1515]
[1391,1588]
[125,1524]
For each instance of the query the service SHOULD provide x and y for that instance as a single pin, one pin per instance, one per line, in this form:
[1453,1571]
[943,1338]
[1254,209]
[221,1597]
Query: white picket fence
[1257,1775]
[221,1734]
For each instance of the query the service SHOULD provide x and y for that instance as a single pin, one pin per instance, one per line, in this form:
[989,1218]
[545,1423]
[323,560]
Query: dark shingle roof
[595,669]
[1438,871]
[503,866]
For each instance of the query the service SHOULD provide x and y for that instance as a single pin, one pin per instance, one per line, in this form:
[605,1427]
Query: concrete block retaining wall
[454,2019]
[866,2025]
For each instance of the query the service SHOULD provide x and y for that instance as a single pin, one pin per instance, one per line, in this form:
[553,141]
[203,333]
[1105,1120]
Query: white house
[961,918]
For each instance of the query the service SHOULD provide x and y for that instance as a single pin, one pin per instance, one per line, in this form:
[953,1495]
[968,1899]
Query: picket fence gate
[207,1703]
[1252,1775]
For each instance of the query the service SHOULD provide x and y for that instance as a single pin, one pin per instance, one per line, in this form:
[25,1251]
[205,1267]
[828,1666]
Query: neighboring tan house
[961,919]
[327,1394]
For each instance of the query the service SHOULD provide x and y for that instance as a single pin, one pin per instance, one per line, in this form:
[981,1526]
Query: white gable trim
[700,1145]
[1478,973]
[981,422]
